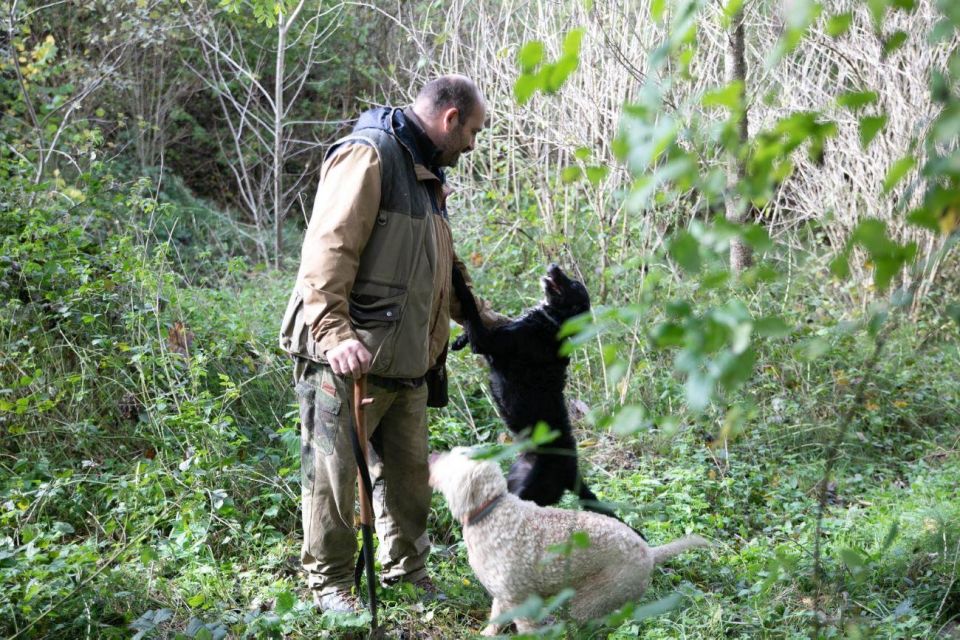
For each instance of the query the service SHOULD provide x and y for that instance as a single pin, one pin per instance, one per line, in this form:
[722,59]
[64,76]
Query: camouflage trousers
[397,430]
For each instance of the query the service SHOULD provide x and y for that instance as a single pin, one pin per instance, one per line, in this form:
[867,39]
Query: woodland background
[762,197]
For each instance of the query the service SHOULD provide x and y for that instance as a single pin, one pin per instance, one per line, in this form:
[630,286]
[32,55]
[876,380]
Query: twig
[831,459]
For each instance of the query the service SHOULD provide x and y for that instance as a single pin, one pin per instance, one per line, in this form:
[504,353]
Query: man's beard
[449,151]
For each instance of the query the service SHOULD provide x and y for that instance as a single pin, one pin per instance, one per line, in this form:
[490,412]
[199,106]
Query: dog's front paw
[490,630]
[462,340]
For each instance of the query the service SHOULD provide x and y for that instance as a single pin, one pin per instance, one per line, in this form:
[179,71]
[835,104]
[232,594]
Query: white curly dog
[508,541]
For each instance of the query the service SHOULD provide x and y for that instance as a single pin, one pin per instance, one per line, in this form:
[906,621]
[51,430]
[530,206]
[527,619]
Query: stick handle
[360,400]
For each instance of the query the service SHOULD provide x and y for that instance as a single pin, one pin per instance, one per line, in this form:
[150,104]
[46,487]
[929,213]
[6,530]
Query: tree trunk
[278,141]
[741,255]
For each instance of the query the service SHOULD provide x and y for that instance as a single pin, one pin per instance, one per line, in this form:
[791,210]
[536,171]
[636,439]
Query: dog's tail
[667,551]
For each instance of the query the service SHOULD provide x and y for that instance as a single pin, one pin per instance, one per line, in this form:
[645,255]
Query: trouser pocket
[320,407]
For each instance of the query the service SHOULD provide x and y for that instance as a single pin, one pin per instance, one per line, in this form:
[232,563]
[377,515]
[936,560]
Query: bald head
[452,112]
[450,91]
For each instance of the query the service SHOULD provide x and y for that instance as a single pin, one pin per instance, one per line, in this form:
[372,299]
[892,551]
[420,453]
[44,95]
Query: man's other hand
[349,358]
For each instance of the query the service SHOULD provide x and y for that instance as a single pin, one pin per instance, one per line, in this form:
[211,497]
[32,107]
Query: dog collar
[483,511]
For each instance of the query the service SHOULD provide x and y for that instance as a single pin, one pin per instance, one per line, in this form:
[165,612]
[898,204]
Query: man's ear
[450,118]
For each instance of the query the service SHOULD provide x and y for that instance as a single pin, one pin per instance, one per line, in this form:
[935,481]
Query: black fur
[527,377]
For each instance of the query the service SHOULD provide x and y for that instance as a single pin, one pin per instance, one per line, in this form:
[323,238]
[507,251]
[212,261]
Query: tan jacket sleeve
[488,316]
[344,212]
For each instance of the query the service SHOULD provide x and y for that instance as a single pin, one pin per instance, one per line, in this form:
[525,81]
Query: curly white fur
[508,548]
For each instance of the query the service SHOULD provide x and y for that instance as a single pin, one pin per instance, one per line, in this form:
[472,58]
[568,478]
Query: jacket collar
[404,125]
[429,153]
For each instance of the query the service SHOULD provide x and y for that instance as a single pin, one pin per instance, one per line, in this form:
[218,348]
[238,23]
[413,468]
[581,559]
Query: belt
[395,384]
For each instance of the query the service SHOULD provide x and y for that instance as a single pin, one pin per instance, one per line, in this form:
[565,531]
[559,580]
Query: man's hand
[349,358]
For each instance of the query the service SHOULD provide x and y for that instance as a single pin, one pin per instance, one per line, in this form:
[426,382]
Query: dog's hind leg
[496,610]
[613,587]
[499,607]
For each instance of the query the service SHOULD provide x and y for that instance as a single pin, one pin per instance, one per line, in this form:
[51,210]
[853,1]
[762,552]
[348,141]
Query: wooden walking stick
[360,400]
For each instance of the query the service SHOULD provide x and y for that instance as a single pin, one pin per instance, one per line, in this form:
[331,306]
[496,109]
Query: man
[373,296]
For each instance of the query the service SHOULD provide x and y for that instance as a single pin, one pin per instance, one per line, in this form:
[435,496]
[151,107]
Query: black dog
[527,376]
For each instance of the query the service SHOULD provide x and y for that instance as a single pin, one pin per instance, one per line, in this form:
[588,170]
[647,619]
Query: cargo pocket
[319,414]
[375,320]
[368,312]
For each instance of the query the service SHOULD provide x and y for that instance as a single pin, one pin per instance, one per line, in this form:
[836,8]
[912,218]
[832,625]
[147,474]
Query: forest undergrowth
[150,469]
[771,362]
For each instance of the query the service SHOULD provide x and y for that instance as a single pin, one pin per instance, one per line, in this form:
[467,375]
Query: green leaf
[699,389]
[580,540]
[531,55]
[656,9]
[876,321]
[679,309]
[946,127]
[543,434]
[896,40]
[884,270]
[755,236]
[559,73]
[596,174]
[839,24]
[878,9]
[616,371]
[285,602]
[563,597]
[735,370]
[630,419]
[668,334]
[570,175]
[771,327]
[715,279]
[891,536]
[729,97]
[730,10]
[840,266]
[924,218]
[897,172]
[524,88]
[658,608]
[853,560]
[531,608]
[814,349]
[953,311]
[872,235]
[856,99]
[870,126]
[571,44]
[685,249]
[197,600]
[148,555]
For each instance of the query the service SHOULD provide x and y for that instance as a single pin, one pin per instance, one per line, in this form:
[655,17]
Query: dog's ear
[483,482]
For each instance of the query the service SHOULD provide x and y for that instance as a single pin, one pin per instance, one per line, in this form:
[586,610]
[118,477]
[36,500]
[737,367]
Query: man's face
[460,137]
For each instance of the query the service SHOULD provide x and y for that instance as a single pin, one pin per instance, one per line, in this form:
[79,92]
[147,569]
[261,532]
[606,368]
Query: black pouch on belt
[436,379]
